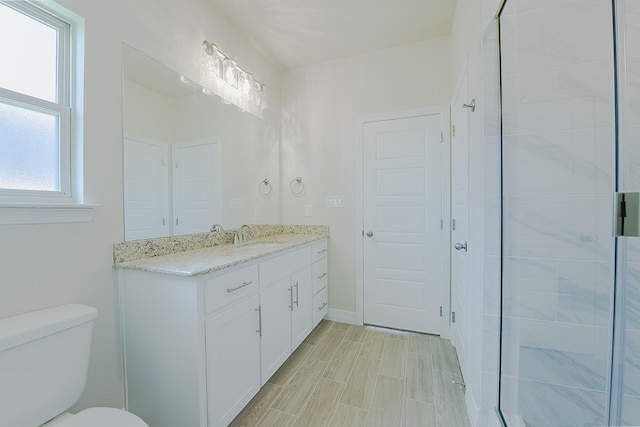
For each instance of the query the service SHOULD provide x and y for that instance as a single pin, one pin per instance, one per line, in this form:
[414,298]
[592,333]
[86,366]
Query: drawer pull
[244,284]
[322,275]
[322,251]
[323,306]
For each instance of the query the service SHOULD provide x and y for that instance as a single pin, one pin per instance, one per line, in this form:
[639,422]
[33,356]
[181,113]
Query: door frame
[445,112]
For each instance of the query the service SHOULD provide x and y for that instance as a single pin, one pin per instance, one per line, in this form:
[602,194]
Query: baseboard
[342,316]
[472,409]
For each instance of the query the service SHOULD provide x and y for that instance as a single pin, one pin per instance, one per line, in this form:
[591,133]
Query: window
[37,107]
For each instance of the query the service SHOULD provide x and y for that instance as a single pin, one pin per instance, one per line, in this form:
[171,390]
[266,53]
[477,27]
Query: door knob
[461,246]
[369,233]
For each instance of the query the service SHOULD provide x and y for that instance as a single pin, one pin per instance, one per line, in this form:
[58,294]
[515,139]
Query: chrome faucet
[240,236]
[216,227]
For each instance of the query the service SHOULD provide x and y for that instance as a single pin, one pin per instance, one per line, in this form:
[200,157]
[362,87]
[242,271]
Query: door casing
[444,111]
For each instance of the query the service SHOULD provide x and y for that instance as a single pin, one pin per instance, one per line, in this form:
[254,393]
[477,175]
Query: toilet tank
[44,356]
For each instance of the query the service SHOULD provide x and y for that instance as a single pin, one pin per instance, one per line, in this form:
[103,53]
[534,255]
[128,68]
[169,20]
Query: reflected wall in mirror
[191,161]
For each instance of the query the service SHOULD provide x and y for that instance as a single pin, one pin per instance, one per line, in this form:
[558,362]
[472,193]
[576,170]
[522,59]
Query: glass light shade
[260,96]
[246,86]
[230,72]
[210,61]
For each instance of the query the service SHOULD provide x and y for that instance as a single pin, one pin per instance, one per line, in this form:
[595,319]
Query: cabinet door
[275,304]
[302,315]
[233,361]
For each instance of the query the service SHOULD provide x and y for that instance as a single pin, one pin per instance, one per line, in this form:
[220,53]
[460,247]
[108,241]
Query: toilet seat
[102,417]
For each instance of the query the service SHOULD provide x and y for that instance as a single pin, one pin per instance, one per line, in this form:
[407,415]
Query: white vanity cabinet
[285,305]
[198,348]
[320,277]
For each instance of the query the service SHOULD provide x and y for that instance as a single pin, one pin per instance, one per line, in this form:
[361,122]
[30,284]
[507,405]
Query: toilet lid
[103,417]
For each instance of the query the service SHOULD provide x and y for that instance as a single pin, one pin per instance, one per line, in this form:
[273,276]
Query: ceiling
[296,33]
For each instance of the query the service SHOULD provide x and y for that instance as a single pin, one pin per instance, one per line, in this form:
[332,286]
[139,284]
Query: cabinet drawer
[319,250]
[222,290]
[320,274]
[284,265]
[320,306]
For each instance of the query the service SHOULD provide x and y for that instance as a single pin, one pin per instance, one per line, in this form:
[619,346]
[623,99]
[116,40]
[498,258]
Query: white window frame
[67,204]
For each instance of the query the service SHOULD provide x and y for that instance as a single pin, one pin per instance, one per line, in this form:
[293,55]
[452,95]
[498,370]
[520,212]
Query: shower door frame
[614,390]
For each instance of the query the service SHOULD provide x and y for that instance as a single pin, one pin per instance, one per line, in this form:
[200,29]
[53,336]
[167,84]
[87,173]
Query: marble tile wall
[558,181]
[631,134]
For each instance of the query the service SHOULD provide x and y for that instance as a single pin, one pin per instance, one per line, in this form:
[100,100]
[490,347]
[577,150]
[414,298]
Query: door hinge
[163,222]
[453,130]
[441,137]
[442,224]
[453,224]
[440,311]
[162,163]
[453,317]
[176,221]
[627,217]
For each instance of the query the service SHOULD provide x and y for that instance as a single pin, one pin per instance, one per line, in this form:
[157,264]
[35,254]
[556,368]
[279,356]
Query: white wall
[470,25]
[319,111]
[45,265]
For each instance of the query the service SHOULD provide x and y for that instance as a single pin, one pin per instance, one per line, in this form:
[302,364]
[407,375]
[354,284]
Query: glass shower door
[558,149]
[626,366]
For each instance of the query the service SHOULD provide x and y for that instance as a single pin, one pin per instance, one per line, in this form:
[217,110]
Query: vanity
[205,328]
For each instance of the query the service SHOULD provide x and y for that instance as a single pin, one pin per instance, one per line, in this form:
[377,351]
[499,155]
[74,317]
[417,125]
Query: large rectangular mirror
[190,160]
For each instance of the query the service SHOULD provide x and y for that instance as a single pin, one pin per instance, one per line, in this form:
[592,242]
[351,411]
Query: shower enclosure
[570,119]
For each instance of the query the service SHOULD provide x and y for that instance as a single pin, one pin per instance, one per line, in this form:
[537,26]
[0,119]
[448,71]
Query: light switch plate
[335,201]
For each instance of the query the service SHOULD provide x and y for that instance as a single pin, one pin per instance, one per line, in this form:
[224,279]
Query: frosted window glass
[31,47]
[29,149]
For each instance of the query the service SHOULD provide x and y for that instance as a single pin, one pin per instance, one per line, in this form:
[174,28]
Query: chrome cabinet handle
[244,284]
[297,295]
[291,296]
[323,306]
[322,275]
[461,246]
[322,251]
[259,310]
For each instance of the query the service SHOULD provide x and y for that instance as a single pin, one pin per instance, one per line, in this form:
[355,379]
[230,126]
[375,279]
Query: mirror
[191,161]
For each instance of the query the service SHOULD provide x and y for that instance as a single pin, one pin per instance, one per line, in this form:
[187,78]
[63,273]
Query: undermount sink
[262,246]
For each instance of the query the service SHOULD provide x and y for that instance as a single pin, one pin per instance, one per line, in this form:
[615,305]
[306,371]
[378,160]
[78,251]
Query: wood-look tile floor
[350,376]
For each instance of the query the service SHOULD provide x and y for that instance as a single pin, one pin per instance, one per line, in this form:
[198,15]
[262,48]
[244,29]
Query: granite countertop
[220,256]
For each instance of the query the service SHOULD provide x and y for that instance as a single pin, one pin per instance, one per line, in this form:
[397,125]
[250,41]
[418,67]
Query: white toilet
[44,356]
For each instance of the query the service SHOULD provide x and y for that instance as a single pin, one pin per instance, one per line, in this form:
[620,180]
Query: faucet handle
[216,227]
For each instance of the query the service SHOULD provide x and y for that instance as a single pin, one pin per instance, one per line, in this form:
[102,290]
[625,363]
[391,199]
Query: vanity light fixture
[238,84]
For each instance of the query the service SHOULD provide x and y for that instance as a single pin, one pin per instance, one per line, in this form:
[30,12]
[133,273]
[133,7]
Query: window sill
[42,213]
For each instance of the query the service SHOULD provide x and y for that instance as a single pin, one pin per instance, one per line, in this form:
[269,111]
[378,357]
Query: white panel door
[402,213]
[459,226]
[196,186]
[146,189]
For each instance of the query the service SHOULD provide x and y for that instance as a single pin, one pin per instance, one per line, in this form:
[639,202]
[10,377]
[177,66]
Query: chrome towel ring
[297,187]
[264,188]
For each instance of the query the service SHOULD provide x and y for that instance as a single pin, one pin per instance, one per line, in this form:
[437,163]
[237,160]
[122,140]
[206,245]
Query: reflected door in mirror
[196,186]
[146,189]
